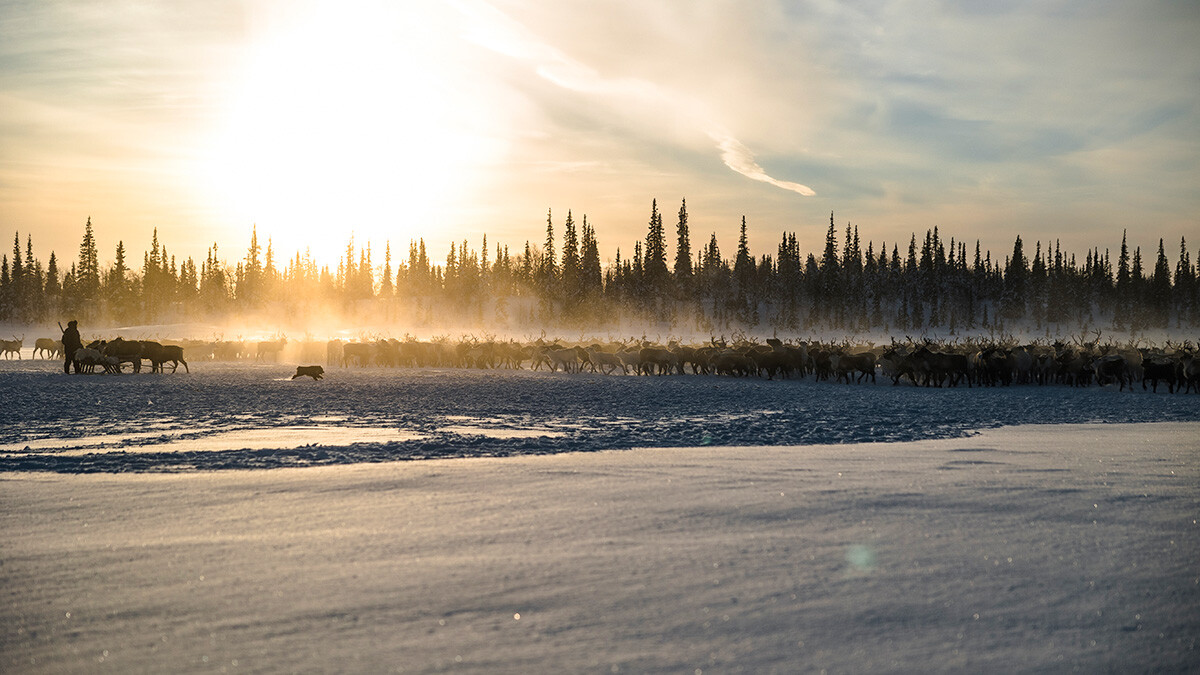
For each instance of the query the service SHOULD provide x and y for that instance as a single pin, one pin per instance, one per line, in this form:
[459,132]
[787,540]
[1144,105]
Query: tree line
[929,284]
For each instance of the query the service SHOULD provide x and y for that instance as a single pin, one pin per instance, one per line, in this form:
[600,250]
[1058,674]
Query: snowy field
[553,528]
[1023,549]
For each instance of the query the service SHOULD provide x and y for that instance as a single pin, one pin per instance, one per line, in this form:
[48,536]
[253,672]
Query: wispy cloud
[737,157]
[901,115]
[494,30]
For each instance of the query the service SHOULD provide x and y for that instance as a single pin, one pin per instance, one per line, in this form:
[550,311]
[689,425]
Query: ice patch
[67,444]
[496,432]
[239,439]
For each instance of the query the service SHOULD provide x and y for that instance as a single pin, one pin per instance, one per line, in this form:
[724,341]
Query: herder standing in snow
[71,343]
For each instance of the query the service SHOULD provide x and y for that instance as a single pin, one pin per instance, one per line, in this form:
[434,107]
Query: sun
[349,118]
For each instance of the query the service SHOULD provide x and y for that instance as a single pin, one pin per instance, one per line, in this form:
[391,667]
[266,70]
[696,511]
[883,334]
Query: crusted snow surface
[1039,548]
[242,416]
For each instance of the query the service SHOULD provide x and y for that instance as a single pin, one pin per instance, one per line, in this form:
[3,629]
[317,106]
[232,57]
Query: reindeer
[126,351]
[822,359]
[1191,373]
[387,352]
[87,358]
[689,355]
[733,363]
[657,360]
[360,352]
[271,348]
[479,354]
[510,355]
[630,357]
[568,358]
[226,350]
[861,365]
[895,363]
[159,354]
[1020,363]
[1112,366]
[1161,367]
[607,362]
[49,347]
[772,362]
[333,352]
[12,346]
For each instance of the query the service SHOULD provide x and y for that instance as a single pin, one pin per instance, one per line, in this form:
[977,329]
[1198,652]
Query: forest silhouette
[924,284]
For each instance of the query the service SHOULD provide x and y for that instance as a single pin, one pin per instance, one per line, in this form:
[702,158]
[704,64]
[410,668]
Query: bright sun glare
[348,121]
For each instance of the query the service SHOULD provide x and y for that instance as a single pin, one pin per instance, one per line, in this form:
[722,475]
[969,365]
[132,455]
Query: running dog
[315,372]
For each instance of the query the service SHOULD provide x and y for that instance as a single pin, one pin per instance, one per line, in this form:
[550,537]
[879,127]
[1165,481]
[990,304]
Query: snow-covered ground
[560,523]
[1020,549]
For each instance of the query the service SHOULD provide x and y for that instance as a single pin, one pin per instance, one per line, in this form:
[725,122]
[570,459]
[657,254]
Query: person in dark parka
[71,343]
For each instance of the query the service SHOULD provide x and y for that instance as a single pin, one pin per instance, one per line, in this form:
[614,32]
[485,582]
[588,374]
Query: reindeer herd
[111,356]
[925,362]
[108,356]
[46,348]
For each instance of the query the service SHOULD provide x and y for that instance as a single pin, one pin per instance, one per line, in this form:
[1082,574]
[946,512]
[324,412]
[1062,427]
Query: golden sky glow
[347,119]
[388,121]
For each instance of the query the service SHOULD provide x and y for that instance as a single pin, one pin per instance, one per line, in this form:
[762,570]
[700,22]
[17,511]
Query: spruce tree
[7,294]
[1121,301]
[830,280]
[1185,280]
[87,273]
[53,287]
[385,281]
[549,267]
[683,250]
[17,273]
[35,280]
[743,263]
[638,272]
[116,285]
[1137,300]
[592,282]
[571,287]
[527,266]
[1160,288]
[788,272]
[1037,287]
[188,280]
[829,259]
[1016,283]
[655,262]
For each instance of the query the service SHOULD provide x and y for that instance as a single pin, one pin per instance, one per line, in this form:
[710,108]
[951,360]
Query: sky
[320,121]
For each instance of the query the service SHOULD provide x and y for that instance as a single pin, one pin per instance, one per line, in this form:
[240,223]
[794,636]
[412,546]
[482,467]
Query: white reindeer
[86,360]
[607,362]
[567,358]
